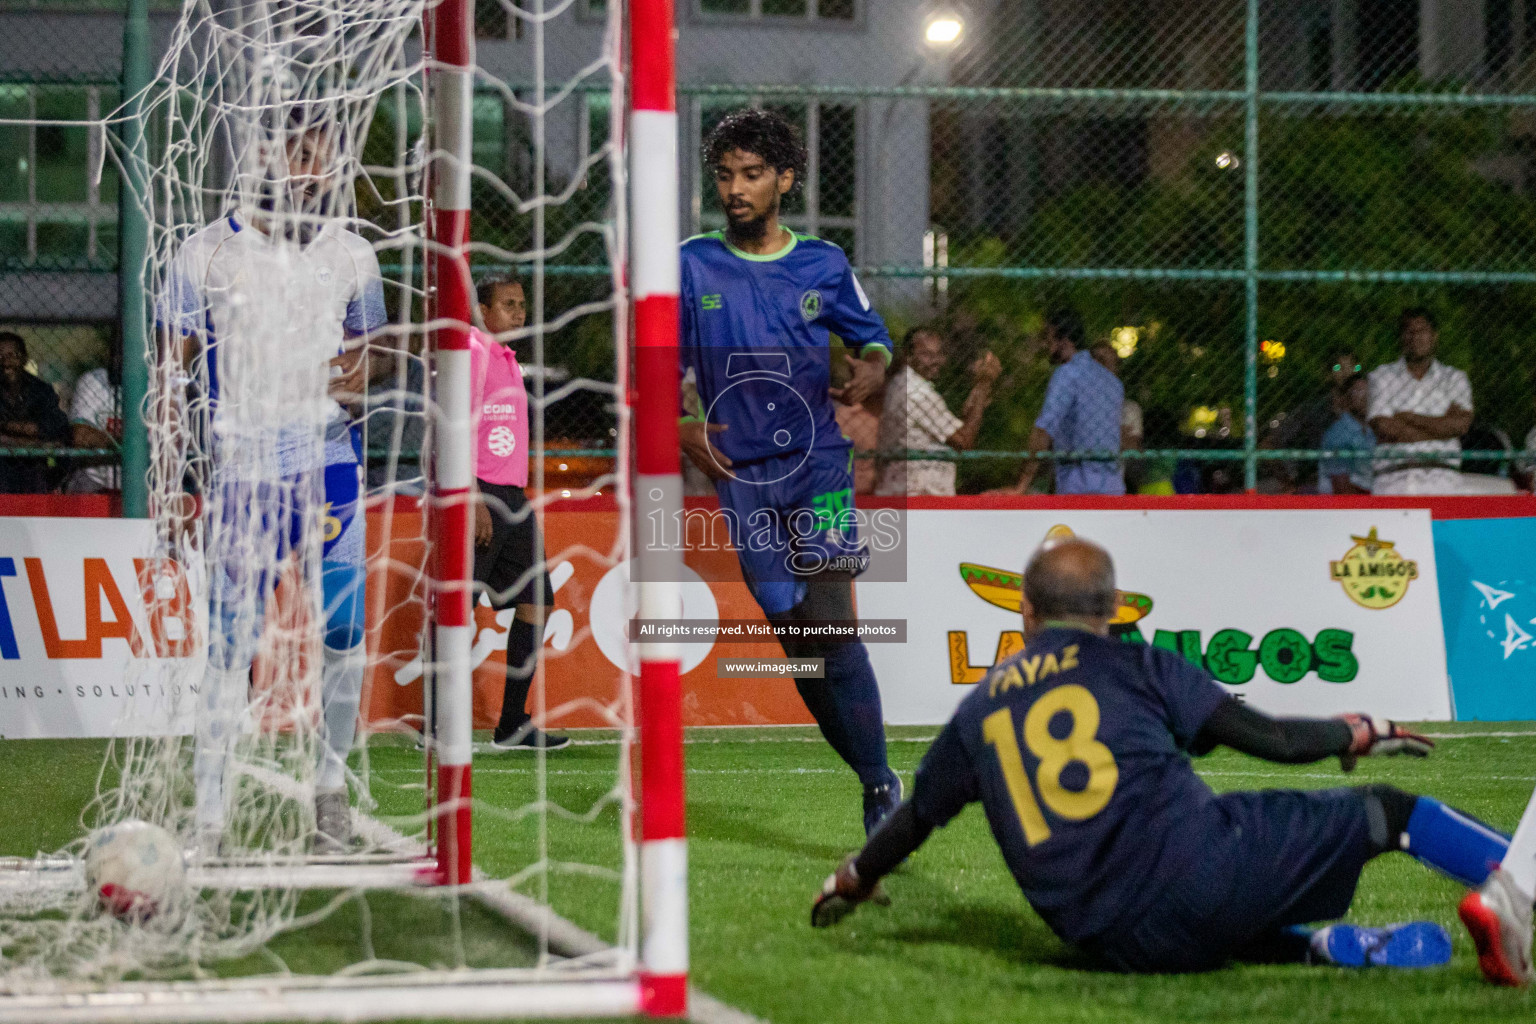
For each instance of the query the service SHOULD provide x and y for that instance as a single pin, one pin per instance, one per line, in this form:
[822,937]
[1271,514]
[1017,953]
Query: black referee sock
[520,669]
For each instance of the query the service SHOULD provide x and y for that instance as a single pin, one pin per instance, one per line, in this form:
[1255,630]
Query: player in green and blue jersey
[757,304]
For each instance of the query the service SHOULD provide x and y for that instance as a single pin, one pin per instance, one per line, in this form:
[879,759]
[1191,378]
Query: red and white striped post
[658,497]
[450,41]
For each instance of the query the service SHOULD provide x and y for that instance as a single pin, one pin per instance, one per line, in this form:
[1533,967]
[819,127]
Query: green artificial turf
[772,811]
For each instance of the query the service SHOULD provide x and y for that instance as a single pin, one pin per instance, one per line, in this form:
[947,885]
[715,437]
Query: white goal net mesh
[285,676]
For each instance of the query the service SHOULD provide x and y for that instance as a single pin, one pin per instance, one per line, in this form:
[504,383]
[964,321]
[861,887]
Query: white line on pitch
[759,739]
[1335,775]
[714,740]
[478,770]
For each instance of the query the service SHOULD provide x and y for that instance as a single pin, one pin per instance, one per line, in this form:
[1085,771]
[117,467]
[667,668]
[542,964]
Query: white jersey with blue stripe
[270,314]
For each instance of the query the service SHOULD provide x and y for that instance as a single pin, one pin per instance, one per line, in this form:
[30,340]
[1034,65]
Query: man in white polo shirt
[1422,407]
[916,418]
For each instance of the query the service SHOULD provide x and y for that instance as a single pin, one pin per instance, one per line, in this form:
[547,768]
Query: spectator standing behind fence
[509,549]
[917,419]
[30,417]
[1132,423]
[95,421]
[1422,406]
[1083,403]
[1348,433]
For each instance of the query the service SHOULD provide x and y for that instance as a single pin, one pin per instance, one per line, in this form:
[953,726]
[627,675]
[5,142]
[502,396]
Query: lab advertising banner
[1305,612]
[1309,612]
[91,628]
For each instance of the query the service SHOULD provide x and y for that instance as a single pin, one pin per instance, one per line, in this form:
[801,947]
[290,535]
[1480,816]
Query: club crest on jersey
[810,305]
[323,275]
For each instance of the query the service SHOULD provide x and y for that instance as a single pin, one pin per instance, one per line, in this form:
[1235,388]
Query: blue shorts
[1275,858]
[792,518]
[271,516]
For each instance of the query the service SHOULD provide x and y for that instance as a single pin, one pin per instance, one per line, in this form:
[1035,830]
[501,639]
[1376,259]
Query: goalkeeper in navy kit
[757,304]
[1078,748]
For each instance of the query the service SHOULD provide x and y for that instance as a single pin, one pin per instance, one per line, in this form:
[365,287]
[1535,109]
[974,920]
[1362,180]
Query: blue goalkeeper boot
[1412,944]
[881,801]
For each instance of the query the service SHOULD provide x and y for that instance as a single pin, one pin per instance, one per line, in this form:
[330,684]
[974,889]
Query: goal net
[314,647]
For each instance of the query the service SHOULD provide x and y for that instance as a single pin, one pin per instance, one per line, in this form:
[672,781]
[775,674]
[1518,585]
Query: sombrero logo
[1373,573]
[1231,655]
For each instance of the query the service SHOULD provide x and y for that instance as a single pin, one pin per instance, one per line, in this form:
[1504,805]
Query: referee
[509,549]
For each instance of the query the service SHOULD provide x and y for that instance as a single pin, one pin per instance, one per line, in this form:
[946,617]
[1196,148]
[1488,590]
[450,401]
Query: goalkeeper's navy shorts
[791,518]
[1275,858]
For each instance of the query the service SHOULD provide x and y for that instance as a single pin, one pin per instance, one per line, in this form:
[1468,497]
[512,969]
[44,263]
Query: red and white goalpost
[642,965]
[658,490]
[657,478]
[450,38]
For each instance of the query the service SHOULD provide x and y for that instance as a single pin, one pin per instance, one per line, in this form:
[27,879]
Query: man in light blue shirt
[1081,414]
[1342,474]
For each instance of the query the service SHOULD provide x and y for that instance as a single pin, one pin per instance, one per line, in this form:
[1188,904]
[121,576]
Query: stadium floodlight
[943,30]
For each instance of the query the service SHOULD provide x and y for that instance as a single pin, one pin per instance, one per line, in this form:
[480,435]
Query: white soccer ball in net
[136,871]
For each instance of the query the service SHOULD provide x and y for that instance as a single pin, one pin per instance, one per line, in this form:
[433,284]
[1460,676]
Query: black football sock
[846,705]
[520,669]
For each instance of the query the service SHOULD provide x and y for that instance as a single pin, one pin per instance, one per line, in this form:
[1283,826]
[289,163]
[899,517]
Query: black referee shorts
[516,547]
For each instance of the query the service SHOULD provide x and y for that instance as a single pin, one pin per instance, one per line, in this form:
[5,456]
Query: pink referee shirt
[500,405]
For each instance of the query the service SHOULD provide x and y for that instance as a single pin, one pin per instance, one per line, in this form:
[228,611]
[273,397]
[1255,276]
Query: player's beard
[752,229]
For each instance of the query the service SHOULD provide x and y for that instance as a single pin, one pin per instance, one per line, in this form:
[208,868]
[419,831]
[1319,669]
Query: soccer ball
[135,870]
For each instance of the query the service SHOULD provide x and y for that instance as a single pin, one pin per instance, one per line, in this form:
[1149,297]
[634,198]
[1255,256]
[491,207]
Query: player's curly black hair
[762,132]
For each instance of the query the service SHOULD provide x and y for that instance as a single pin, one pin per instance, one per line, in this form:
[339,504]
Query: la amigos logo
[1373,573]
[1231,656]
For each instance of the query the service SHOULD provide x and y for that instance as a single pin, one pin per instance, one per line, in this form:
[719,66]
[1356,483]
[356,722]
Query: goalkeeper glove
[1372,736]
[841,894]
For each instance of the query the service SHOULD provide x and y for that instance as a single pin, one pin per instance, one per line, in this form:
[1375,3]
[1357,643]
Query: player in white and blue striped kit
[757,304]
[274,309]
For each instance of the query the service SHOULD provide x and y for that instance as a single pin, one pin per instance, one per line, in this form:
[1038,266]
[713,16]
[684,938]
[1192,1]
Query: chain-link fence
[61,71]
[58,237]
[1239,200]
